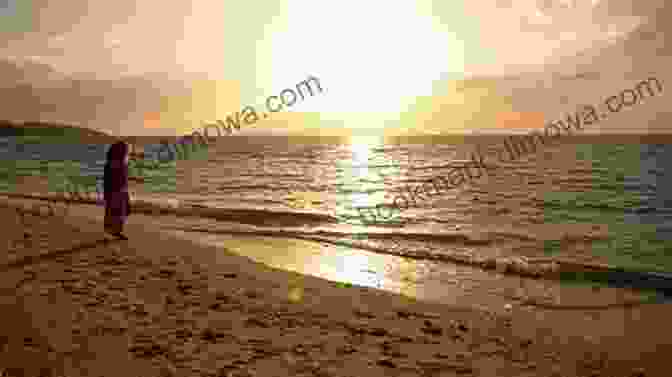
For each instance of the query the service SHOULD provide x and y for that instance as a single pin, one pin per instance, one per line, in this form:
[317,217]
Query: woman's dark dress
[117,200]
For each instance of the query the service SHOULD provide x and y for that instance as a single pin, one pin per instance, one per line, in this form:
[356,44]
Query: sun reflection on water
[362,151]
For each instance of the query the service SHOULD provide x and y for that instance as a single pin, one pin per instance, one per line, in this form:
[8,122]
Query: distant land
[53,132]
[46,132]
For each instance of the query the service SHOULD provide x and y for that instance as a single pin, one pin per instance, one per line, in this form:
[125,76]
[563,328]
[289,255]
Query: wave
[540,267]
[448,246]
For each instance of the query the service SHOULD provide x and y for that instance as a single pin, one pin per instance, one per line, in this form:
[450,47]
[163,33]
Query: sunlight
[336,263]
[361,147]
[386,81]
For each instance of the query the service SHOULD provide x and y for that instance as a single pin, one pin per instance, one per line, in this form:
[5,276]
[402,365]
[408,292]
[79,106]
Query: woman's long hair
[116,171]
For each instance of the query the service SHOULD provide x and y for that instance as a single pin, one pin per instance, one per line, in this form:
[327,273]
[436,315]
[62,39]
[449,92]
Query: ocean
[598,202]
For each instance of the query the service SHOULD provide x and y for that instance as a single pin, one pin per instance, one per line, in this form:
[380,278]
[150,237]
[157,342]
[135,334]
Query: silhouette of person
[115,182]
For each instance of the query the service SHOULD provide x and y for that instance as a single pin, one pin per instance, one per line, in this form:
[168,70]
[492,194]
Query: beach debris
[404,314]
[458,367]
[391,349]
[363,313]
[430,328]
[208,335]
[378,332]
[138,308]
[405,339]
[433,331]
[347,349]
[166,272]
[528,366]
[386,362]
[431,364]
[355,328]
[253,294]
[395,353]
[221,296]
[256,322]
[149,350]
[427,340]
[183,333]
[300,350]
[499,340]
[184,287]
[242,373]
[217,306]
[462,355]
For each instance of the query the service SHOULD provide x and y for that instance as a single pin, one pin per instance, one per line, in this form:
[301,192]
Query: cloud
[36,92]
[97,63]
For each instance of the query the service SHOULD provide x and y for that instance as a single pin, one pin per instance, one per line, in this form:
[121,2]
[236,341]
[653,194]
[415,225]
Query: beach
[158,305]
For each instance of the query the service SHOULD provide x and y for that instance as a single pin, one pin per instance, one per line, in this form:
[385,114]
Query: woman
[115,182]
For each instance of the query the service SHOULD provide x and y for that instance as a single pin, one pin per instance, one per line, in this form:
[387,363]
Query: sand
[156,305]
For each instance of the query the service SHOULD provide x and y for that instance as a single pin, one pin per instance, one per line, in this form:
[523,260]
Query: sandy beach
[160,306]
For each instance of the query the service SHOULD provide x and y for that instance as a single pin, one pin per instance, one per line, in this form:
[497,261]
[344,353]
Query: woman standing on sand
[115,182]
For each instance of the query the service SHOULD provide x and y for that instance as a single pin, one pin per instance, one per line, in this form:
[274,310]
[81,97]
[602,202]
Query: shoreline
[545,268]
[163,306]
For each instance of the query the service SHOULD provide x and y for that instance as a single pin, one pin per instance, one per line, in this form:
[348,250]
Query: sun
[368,56]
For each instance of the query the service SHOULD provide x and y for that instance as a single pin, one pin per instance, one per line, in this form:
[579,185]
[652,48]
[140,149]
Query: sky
[144,67]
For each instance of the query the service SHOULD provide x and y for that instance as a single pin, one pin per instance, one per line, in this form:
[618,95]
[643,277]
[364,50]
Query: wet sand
[158,305]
